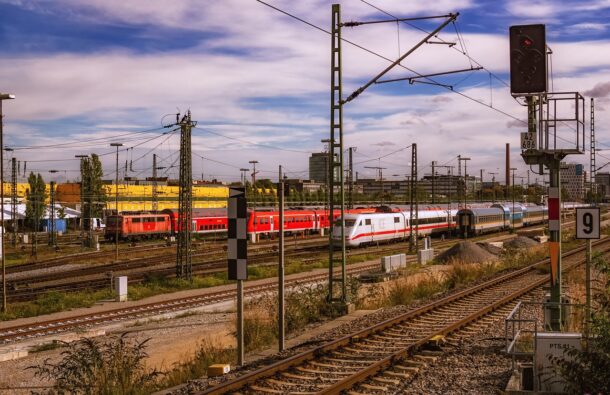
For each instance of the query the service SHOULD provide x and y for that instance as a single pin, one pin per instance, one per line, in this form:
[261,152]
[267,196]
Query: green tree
[94,195]
[36,195]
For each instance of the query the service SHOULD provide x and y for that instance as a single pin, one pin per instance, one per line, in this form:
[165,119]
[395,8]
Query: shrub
[113,366]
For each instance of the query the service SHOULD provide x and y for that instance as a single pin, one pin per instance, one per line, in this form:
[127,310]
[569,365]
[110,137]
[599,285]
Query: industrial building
[573,180]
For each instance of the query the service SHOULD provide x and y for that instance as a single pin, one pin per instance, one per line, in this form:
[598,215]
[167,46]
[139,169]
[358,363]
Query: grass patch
[208,353]
[53,302]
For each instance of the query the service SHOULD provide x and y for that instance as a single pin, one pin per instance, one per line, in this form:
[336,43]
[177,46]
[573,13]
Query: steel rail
[346,383]
[68,323]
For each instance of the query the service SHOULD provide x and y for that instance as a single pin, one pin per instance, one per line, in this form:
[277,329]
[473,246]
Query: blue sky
[87,73]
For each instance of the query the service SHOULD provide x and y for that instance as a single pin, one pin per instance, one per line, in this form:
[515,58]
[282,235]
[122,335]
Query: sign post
[588,227]
[237,254]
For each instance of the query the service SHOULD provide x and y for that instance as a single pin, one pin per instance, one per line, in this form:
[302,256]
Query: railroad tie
[371,387]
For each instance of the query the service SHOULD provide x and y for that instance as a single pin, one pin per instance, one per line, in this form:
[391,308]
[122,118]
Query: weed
[208,353]
[113,366]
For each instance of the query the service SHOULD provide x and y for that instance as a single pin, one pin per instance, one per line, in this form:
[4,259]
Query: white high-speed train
[378,227]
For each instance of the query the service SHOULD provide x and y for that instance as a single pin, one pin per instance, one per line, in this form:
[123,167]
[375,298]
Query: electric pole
[14,198]
[413,203]
[350,185]
[184,267]
[433,181]
[116,202]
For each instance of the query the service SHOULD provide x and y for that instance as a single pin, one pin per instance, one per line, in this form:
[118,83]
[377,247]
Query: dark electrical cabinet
[528,59]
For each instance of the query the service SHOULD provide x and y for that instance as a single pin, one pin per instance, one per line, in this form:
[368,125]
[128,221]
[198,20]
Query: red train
[141,225]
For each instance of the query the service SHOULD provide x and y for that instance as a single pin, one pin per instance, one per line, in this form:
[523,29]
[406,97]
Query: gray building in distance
[318,167]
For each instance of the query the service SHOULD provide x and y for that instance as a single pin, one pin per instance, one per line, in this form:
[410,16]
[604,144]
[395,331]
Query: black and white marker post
[280,272]
[237,250]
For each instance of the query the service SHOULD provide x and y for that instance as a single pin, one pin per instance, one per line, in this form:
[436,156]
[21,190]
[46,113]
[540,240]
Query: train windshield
[348,223]
[111,220]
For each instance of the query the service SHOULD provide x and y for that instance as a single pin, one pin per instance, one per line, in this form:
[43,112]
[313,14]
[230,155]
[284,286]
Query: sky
[257,81]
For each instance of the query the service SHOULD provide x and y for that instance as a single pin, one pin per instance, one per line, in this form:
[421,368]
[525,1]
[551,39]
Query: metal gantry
[184,268]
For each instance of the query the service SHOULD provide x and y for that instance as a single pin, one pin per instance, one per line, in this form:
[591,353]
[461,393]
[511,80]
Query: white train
[380,227]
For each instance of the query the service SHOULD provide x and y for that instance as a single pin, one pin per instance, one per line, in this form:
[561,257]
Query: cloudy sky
[90,72]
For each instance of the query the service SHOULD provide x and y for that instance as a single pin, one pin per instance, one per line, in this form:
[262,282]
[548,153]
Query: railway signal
[528,59]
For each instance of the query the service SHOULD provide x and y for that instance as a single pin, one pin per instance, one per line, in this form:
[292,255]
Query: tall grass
[408,288]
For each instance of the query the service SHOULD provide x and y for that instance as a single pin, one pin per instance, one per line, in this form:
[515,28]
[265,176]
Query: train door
[466,222]
[364,230]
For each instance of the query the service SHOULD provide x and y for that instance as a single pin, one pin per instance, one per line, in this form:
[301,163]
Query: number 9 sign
[587,223]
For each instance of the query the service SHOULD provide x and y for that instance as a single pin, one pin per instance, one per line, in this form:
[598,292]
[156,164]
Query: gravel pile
[466,252]
[491,248]
[520,242]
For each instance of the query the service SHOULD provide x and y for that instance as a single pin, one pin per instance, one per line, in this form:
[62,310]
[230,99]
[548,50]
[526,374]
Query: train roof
[482,210]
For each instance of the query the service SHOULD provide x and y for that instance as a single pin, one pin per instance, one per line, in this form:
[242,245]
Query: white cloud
[288,60]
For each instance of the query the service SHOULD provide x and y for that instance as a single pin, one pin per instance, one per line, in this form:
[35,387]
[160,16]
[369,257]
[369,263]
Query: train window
[367,221]
[360,224]
[200,227]
[396,220]
[350,222]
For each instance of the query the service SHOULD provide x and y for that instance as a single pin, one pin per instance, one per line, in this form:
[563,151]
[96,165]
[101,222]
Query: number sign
[528,141]
[587,223]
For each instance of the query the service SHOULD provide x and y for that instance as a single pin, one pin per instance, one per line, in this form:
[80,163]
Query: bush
[114,366]
[588,370]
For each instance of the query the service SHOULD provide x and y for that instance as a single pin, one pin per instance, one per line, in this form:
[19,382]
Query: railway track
[376,359]
[49,327]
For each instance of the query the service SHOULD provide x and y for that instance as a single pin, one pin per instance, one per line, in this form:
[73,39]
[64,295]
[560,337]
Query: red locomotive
[137,226]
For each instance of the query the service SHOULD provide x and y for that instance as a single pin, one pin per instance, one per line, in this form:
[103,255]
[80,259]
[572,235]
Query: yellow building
[139,197]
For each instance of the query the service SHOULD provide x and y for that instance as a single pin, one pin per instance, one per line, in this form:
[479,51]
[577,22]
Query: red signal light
[527,42]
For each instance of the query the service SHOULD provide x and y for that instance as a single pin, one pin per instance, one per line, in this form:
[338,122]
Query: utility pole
[459,189]
[51,222]
[350,184]
[336,136]
[281,307]
[116,202]
[243,176]
[3,96]
[465,184]
[254,172]
[184,267]
[14,199]
[379,170]
[82,186]
[413,203]
[155,205]
[493,186]
[433,180]
[512,217]
[481,188]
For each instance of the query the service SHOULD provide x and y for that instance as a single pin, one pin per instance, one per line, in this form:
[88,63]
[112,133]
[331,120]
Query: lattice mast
[336,152]
[184,267]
